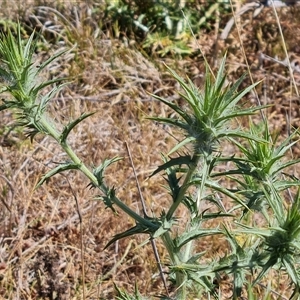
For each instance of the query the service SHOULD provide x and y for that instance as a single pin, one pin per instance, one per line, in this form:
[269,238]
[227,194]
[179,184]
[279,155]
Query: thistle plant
[192,174]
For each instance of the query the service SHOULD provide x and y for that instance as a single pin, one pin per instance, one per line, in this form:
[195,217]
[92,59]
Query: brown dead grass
[40,233]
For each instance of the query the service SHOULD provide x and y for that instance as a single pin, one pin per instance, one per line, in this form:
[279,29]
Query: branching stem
[87,172]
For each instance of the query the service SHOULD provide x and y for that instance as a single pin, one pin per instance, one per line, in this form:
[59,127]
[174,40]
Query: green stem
[175,258]
[169,244]
[178,257]
[187,250]
[274,201]
[184,187]
[50,130]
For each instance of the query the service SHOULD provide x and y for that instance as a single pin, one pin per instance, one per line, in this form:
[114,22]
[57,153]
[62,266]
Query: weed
[193,178]
[163,26]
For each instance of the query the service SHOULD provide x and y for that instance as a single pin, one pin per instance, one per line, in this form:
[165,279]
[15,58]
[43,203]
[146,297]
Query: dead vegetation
[52,248]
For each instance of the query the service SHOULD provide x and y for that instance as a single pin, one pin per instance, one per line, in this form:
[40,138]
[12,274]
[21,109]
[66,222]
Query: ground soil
[46,239]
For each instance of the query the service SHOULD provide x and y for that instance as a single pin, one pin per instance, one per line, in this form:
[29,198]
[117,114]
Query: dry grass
[40,233]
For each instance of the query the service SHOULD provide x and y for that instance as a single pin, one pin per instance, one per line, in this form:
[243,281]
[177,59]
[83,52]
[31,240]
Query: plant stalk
[50,130]
[184,187]
[175,259]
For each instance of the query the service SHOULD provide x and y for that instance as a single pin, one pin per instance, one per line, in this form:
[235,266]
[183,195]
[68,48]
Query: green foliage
[205,122]
[123,295]
[193,178]
[164,26]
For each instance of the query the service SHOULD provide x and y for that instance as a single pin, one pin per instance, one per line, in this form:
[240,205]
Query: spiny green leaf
[195,257]
[241,134]
[138,229]
[177,161]
[260,232]
[239,113]
[165,225]
[6,77]
[71,125]
[281,185]
[204,282]
[99,171]
[44,100]
[283,165]
[186,237]
[123,295]
[175,107]
[50,59]
[174,122]
[220,74]
[267,266]
[41,86]
[108,198]
[60,168]
[215,186]
[187,140]
[214,216]
[289,264]
[29,47]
